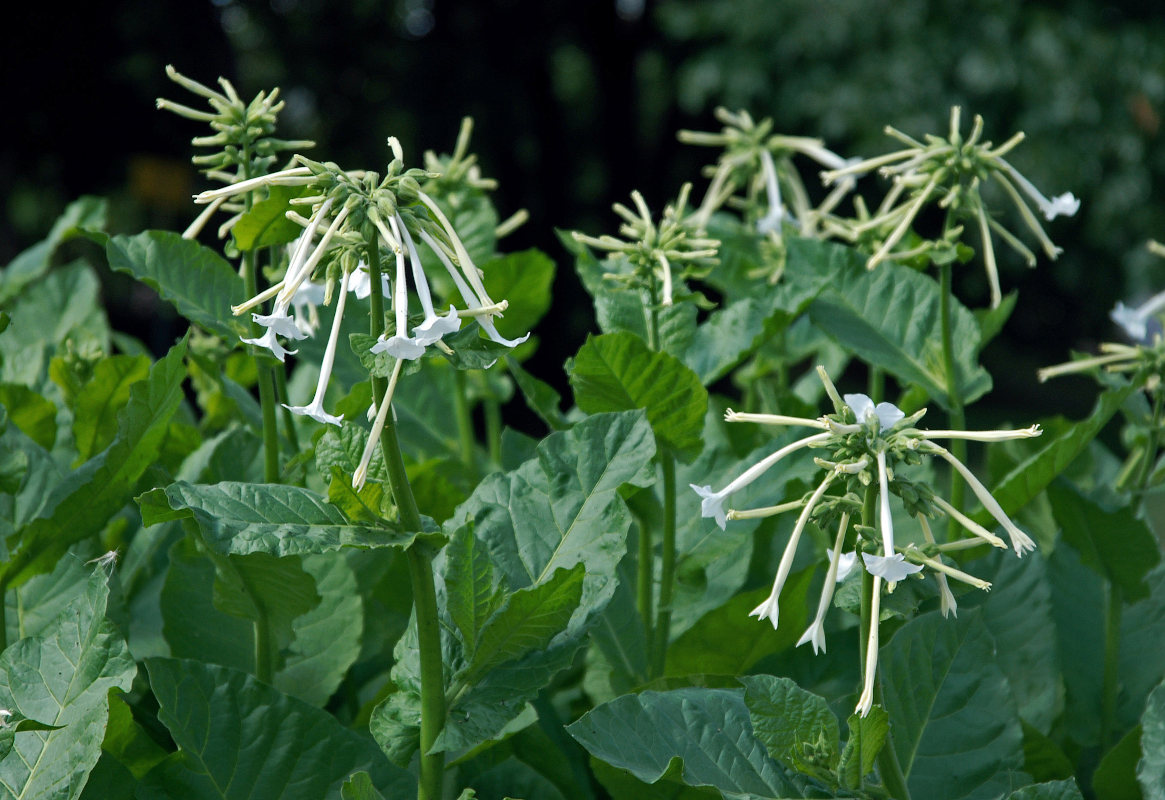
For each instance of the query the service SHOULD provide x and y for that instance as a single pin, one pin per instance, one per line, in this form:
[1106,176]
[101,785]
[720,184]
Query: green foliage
[617,372]
[61,680]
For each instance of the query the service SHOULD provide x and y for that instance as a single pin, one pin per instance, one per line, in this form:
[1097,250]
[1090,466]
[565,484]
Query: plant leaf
[1088,526]
[62,679]
[99,402]
[192,278]
[867,736]
[1052,790]
[617,372]
[266,224]
[796,726]
[890,318]
[1151,767]
[953,718]
[242,518]
[707,730]
[30,264]
[81,505]
[239,738]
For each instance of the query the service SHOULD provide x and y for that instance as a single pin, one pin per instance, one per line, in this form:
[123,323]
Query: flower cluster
[356,217]
[244,141]
[757,159]
[866,444]
[951,172]
[652,249]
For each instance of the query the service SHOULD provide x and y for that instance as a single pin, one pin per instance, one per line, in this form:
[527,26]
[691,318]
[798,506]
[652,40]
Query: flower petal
[889,568]
[712,504]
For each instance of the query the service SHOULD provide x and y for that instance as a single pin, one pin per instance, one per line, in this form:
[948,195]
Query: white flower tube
[1020,541]
[815,633]
[315,409]
[769,609]
[713,502]
[866,701]
[434,327]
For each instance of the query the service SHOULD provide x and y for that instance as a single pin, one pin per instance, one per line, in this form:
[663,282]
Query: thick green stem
[644,582]
[420,561]
[958,420]
[667,570]
[288,417]
[493,429]
[465,435]
[265,379]
[889,769]
[1112,638]
[264,667]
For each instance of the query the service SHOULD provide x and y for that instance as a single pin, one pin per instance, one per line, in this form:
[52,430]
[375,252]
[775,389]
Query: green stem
[644,580]
[876,384]
[264,669]
[493,429]
[265,379]
[465,436]
[288,417]
[420,562]
[1112,637]
[667,571]
[958,420]
[889,769]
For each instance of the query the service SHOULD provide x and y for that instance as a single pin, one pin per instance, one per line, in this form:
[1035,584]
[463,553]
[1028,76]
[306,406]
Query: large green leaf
[1115,777]
[34,414]
[194,279]
[953,720]
[96,408]
[239,738]
[472,593]
[81,505]
[1111,541]
[1142,650]
[523,280]
[867,737]
[617,372]
[61,307]
[1077,595]
[563,508]
[796,726]
[1025,641]
[708,730]
[527,621]
[62,679]
[890,317]
[1151,767]
[242,518]
[86,212]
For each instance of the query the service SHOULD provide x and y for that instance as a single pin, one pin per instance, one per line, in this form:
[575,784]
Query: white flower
[315,409]
[399,345]
[845,564]
[282,323]
[866,701]
[890,568]
[777,213]
[1135,321]
[433,327]
[1020,541]
[887,414]
[768,609]
[5,715]
[269,341]
[1061,205]
[713,502]
[815,633]
[362,285]
[361,473]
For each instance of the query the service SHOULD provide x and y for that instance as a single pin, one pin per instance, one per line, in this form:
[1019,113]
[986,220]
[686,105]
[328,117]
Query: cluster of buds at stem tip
[243,143]
[867,444]
[759,160]
[354,215]
[652,250]
[951,172]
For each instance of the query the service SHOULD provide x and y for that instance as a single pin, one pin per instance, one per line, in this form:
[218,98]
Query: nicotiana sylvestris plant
[308,575]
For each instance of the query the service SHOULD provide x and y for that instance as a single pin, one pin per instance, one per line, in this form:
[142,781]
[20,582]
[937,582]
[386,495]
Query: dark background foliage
[577,103]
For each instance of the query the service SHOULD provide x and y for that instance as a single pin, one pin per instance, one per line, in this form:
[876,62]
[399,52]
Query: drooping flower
[864,442]
[315,409]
